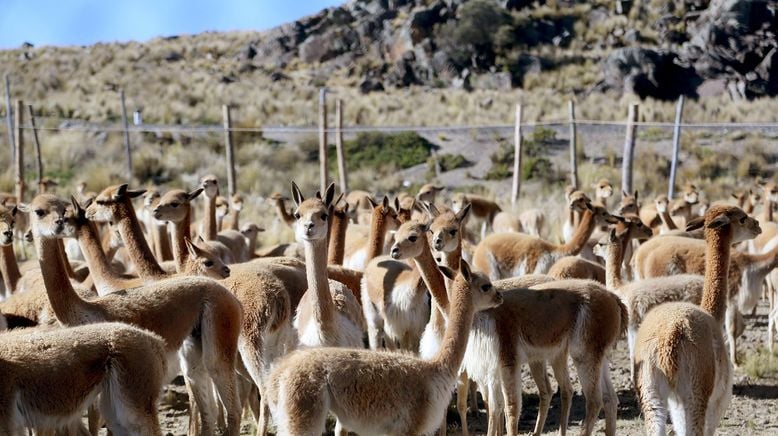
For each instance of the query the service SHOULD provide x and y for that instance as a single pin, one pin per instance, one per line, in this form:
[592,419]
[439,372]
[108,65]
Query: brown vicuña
[680,354]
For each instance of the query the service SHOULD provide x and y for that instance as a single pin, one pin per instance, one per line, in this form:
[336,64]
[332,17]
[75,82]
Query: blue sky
[81,22]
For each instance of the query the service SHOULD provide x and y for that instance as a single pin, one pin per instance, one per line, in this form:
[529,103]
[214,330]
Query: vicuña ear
[385,202]
[719,221]
[14,211]
[192,195]
[372,202]
[397,203]
[191,248]
[120,191]
[624,194]
[23,207]
[636,195]
[297,196]
[462,214]
[448,272]
[432,210]
[695,224]
[735,196]
[329,194]
[464,268]
[76,207]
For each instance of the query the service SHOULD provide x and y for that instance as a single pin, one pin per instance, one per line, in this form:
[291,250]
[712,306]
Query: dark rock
[173,56]
[648,73]
[248,52]
[368,85]
[277,76]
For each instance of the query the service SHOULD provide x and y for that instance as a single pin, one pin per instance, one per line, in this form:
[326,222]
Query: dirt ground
[753,410]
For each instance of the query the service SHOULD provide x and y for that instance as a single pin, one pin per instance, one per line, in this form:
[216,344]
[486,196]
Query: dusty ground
[753,411]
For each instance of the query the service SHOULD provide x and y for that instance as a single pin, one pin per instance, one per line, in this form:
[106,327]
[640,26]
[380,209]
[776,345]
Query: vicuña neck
[375,242]
[285,216]
[209,220]
[615,253]
[9,268]
[105,279]
[68,307]
[667,220]
[582,234]
[316,272]
[161,239]
[137,247]
[180,234]
[715,289]
[66,262]
[763,262]
[337,238]
[431,275]
[460,320]
[233,221]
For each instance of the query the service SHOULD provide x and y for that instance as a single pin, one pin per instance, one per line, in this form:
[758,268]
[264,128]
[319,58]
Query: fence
[570,146]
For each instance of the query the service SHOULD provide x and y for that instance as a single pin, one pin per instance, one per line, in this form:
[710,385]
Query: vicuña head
[210,185]
[483,295]
[409,239]
[111,201]
[51,217]
[603,189]
[174,205]
[312,215]
[204,263]
[718,217]
[7,221]
[445,227]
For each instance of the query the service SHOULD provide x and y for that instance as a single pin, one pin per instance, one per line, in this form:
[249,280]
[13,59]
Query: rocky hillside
[649,47]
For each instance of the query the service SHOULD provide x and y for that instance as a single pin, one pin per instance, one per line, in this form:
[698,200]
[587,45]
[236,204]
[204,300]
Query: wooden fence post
[629,149]
[126,127]
[19,118]
[323,170]
[9,117]
[676,147]
[343,176]
[38,157]
[573,150]
[230,151]
[517,158]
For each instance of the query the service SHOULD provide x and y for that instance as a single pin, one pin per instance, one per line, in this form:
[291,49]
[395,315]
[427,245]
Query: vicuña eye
[413,238]
[208,263]
[40,212]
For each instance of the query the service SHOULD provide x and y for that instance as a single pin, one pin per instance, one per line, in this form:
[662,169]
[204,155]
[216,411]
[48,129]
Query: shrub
[376,150]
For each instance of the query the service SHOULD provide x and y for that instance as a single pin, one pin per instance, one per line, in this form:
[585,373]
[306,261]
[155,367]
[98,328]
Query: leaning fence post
[676,147]
[629,149]
[230,152]
[19,152]
[516,157]
[343,176]
[323,171]
[9,117]
[38,157]
[573,151]
[126,128]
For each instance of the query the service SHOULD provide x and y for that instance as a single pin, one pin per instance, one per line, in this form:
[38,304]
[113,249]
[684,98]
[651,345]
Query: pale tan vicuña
[328,313]
[361,387]
[680,354]
[503,255]
[268,289]
[54,374]
[200,304]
